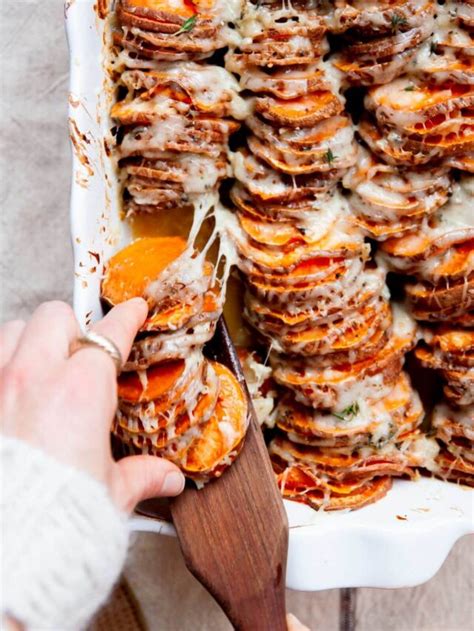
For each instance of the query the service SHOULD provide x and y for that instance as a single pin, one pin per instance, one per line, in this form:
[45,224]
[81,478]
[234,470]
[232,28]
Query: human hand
[65,404]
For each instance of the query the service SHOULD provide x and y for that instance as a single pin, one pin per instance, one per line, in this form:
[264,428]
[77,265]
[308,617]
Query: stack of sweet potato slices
[421,128]
[175,125]
[440,258]
[454,428]
[380,38]
[427,122]
[416,128]
[390,201]
[450,350]
[172,401]
[312,296]
[175,115]
[360,411]
[150,32]
[427,116]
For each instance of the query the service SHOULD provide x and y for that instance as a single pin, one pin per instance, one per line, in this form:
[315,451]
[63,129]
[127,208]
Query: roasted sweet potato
[129,273]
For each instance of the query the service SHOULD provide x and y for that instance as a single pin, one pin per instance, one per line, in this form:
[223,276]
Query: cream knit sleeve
[63,540]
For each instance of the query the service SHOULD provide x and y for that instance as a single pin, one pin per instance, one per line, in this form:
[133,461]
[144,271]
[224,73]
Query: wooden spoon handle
[234,532]
[234,538]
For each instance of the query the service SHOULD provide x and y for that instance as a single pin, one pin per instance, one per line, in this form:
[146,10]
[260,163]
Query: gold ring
[95,340]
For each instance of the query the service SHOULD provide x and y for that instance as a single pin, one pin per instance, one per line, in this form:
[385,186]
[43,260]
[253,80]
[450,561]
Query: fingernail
[173,484]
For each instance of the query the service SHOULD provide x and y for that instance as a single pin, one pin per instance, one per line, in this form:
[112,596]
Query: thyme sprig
[329,156]
[189,24]
[348,413]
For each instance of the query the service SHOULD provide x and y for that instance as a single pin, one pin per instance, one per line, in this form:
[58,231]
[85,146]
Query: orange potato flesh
[183,9]
[298,418]
[349,338]
[271,233]
[160,379]
[178,315]
[454,341]
[270,283]
[185,422]
[174,410]
[315,106]
[343,371]
[129,272]
[298,485]
[303,269]
[427,95]
[295,254]
[206,451]
[172,318]
[128,112]
[410,245]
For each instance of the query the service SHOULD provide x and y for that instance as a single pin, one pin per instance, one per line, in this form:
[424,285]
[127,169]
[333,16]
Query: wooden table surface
[35,265]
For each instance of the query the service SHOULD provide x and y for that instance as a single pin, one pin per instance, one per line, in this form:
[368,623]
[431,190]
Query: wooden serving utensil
[234,531]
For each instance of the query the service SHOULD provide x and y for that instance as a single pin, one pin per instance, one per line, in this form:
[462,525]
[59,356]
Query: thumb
[143,477]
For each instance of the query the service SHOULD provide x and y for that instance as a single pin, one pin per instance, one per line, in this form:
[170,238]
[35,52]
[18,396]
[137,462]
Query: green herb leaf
[188,25]
[348,413]
[397,21]
[433,47]
[329,156]
[409,88]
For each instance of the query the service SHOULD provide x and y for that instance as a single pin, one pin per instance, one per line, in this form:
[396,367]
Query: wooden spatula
[234,532]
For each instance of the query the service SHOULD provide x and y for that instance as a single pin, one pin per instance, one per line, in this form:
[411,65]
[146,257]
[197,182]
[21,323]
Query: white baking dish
[401,540]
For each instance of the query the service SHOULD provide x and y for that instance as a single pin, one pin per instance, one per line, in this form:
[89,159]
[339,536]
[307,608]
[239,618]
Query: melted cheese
[209,86]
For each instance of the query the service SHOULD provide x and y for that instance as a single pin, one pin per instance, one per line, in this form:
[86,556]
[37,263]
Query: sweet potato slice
[308,423]
[340,335]
[223,433]
[395,104]
[299,485]
[372,18]
[370,71]
[340,468]
[325,387]
[285,83]
[166,438]
[162,10]
[160,347]
[157,381]
[205,450]
[129,272]
[145,419]
[393,153]
[302,112]
[455,469]
[424,297]
[201,309]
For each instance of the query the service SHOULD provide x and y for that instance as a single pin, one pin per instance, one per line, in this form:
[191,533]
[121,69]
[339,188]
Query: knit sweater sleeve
[64,541]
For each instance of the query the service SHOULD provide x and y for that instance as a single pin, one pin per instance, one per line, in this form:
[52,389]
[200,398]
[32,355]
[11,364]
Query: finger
[122,323]
[10,334]
[46,338]
[143,477]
